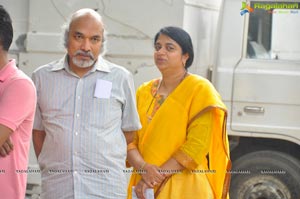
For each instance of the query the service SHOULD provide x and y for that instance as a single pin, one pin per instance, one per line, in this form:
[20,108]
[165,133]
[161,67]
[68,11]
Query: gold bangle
[143,165]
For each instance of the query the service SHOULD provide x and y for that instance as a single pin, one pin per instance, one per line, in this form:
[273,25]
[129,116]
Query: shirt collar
[7,70]
[61,64]
[100,65]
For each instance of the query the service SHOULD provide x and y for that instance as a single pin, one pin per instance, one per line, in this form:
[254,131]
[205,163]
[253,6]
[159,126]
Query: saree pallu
[168,133]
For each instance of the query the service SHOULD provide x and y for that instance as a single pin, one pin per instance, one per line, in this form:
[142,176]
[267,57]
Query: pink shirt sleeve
[16,103]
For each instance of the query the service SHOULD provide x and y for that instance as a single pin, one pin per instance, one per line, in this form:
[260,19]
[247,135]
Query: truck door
[266,81]
[265,103]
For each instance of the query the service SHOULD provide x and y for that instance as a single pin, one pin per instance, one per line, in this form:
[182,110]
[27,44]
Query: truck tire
[265,175]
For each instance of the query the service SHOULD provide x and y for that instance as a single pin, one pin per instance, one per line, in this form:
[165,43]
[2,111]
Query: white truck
[249,50]
[257,71]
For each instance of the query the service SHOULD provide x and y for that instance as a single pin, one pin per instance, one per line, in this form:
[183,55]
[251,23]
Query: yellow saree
[190,127]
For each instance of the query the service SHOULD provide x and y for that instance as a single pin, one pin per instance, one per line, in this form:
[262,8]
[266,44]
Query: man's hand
[6,148]
[6,145]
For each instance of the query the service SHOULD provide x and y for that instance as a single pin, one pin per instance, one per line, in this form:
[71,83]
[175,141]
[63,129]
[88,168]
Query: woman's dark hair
[182,38]
[6,29]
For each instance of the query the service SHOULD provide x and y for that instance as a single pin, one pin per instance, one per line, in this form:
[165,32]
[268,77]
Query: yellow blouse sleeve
[197,144]
[133,144]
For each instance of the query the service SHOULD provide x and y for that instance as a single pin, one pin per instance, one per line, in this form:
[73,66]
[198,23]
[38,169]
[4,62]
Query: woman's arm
[170,167]
[150,173]
[195,148]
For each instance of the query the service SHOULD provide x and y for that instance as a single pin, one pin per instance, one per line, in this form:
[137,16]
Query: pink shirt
[17,108]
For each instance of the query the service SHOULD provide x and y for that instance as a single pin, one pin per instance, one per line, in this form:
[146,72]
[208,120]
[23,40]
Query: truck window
[273,31]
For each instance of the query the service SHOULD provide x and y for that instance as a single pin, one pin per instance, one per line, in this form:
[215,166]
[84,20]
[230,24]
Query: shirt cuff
[8,124]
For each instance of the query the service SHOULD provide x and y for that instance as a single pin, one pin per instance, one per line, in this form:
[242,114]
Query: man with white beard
[86,115]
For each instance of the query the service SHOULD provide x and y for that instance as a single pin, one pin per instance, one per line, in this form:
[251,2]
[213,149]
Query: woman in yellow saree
[182,149]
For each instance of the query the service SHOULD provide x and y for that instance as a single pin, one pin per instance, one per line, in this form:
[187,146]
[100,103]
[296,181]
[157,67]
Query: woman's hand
[151,175]
[140,189]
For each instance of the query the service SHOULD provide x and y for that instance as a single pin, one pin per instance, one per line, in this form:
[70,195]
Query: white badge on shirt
[103,89]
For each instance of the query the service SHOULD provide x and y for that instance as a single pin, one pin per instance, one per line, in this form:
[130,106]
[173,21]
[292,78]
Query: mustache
[83,53]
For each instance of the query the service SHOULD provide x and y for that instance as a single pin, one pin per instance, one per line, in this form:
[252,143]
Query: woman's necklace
[149,117]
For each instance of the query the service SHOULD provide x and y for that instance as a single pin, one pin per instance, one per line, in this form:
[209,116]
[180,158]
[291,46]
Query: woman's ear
[184,58]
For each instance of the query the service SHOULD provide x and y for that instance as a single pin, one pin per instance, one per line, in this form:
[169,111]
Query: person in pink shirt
[17,109]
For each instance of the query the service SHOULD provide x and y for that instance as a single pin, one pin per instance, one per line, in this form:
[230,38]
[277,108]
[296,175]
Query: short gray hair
[66,30]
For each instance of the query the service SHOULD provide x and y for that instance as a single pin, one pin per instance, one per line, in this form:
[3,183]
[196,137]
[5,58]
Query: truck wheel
[265,175]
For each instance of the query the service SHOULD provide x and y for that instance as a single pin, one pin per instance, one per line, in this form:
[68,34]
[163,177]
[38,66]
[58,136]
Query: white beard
[82,63]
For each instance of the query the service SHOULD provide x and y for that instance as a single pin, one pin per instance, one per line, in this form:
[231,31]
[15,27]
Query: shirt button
[77,115]
[76,133]
[78,97]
